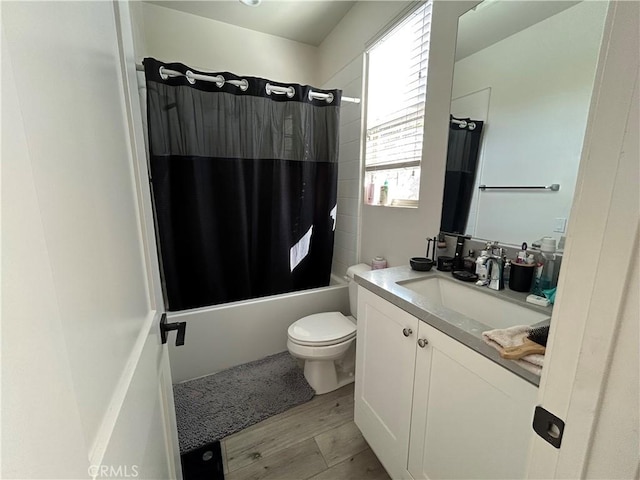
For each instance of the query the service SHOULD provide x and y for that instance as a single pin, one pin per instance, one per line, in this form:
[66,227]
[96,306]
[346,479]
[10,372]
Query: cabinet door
[471,417]
[385,364]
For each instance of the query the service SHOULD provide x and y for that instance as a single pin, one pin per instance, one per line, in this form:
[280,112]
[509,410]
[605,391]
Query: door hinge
[165,328]
[548,426]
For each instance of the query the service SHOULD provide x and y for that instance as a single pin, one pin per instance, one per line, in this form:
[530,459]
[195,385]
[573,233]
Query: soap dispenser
[458,260]
[481,268]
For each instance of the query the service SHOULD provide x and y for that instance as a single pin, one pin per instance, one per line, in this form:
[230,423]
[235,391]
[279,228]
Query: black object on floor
[204,463]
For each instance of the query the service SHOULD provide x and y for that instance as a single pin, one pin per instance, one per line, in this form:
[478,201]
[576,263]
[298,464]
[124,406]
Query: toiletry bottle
[544,274]
[470,262]
[370,191]
[546,279]
[536,285]
[481,268]
[506,272]
[458,261]
[384,193]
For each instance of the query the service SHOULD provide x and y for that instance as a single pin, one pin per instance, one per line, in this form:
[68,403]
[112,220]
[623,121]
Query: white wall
[345,250]
[541,81]
[136,13]
[173,36]
[347,41]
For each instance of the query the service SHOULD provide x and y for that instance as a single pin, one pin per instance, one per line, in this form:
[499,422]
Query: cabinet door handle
[407,331]
[423,342]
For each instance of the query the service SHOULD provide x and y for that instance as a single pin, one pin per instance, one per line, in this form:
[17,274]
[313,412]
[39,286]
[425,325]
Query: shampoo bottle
[384,193]
[370,191]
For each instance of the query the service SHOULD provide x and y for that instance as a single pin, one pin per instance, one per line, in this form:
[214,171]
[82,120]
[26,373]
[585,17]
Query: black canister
[521,276]
[445,264]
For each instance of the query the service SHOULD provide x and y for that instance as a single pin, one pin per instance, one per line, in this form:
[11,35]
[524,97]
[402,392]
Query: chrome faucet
[495,269]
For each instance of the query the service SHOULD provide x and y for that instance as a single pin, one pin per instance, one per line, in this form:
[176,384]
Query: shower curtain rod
[243,84]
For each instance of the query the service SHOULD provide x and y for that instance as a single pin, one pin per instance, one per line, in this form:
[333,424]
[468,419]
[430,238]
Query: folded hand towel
[511,337]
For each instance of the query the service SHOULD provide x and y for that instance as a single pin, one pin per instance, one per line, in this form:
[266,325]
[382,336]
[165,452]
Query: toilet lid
[327,328]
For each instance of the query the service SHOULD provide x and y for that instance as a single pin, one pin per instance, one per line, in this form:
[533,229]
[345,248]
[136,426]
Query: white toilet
[326,342]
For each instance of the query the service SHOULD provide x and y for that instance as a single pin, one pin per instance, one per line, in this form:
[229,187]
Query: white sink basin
[472,303]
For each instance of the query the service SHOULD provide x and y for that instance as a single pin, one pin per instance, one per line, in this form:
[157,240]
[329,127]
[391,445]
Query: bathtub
[223,336]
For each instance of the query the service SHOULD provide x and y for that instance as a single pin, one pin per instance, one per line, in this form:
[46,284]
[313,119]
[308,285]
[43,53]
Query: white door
[385,364]
[591,378]
[86,388]
[471,417]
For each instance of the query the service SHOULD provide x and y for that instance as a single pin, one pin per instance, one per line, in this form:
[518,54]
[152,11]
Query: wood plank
[277,433]
[294,463]
[225,462]
[340,443]
[363,466]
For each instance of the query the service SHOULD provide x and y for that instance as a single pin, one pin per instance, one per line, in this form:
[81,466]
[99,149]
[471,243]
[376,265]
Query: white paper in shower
[300,249]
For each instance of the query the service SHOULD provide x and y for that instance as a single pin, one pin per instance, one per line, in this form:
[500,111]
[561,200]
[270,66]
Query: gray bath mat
[212,407]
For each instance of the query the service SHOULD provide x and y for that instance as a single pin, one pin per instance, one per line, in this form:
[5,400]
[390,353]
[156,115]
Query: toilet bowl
[326,343]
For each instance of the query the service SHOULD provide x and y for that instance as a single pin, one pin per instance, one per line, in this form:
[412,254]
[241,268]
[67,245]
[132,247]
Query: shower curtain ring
[190,78]
[163,75]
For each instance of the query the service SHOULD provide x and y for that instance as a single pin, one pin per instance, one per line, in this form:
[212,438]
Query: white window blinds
[397,87]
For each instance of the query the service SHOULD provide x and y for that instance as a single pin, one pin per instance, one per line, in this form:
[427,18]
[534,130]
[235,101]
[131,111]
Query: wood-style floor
[316,440]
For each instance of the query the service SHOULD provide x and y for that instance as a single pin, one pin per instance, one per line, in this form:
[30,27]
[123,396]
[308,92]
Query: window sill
[403,206]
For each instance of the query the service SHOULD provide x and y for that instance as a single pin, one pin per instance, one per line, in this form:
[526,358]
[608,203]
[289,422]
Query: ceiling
[310,21]
[495,20]
[305,21]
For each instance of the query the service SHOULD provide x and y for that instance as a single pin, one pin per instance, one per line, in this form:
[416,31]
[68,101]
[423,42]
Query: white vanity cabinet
[431,407]
[385,366]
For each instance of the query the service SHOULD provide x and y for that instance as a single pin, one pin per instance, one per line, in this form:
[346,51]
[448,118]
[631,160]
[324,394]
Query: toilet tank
[353,286]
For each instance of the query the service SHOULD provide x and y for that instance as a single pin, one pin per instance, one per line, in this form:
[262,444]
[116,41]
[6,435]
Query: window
[397,88]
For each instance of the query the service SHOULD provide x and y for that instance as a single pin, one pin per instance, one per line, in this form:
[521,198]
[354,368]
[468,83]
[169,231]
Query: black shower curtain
[462,163]
[244,186]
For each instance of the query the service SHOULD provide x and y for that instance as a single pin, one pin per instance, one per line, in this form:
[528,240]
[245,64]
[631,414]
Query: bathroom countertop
[382,282]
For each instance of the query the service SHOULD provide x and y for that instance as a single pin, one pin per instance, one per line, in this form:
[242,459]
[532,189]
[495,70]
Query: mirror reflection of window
[525,69]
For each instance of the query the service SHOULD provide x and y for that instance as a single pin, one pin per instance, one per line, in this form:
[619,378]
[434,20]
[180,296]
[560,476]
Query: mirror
[523,79]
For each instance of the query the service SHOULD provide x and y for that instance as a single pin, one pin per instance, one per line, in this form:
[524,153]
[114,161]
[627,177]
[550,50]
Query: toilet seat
[322,329]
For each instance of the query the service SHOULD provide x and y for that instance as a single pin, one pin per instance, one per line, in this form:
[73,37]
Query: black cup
[445,264]
[521,276]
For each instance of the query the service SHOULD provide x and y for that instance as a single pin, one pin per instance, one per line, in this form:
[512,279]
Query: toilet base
[324,377]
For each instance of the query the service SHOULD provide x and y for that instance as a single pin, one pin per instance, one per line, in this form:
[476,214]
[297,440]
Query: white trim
[138,152]
[169,408]
[603,227]
[257,300]
[110,418]
[393,23]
